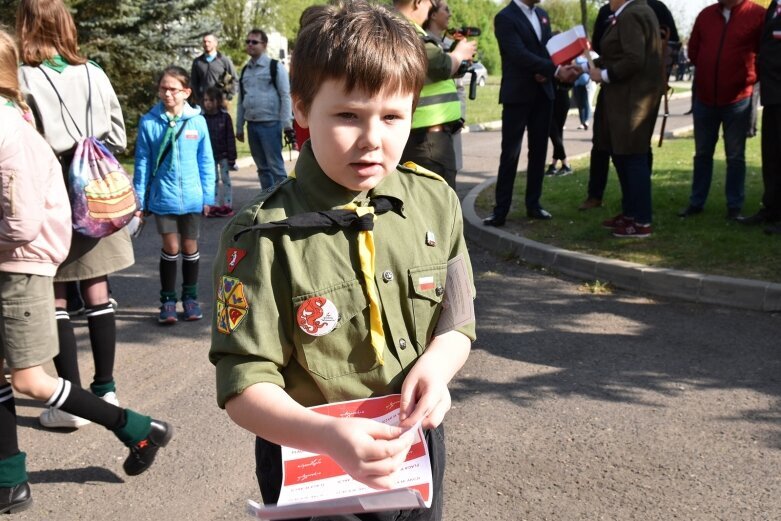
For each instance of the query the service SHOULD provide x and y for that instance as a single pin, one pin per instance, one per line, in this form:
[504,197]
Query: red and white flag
[566,46]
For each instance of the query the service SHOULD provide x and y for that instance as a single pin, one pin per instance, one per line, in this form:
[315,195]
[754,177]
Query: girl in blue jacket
[174,180]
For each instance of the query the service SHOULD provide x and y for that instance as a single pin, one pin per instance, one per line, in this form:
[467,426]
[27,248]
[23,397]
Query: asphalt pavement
[571,406]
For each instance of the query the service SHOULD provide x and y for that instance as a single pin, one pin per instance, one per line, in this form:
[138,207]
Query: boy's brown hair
[369,47]
[45,28]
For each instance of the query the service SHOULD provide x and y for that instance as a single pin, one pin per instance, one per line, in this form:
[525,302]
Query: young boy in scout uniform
[351,278]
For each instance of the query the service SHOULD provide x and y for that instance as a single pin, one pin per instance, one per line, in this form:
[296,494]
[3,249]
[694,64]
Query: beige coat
[35,214]
[629,104]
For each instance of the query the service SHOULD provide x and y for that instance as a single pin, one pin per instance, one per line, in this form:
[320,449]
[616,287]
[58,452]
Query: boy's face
[209,104]
[357,139]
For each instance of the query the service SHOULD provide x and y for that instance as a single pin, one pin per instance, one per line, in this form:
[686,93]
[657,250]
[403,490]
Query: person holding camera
[437,118]
[436,26]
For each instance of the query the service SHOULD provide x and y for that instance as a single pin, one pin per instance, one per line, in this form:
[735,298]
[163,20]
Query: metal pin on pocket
[431,240]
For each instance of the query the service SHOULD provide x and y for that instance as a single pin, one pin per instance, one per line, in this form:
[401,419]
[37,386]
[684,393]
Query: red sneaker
[633,230]
[616,222]
[227,211]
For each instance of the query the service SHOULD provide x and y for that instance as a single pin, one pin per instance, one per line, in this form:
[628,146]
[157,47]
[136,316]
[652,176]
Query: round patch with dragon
[317,316]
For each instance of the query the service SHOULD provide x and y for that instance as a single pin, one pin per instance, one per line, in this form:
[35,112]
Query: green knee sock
[136,428]
[13,471]
[166,296]
[190,291]
[104,388]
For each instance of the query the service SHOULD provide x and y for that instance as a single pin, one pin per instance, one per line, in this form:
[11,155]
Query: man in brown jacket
[630,71]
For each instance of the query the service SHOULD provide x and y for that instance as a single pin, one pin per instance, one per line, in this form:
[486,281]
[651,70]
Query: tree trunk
[584,13]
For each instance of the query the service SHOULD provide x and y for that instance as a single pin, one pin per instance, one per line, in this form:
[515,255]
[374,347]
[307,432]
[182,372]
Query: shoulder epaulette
[428,39]
[266,194]
[411,168]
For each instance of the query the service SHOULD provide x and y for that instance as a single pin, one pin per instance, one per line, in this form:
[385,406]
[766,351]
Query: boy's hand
[240,136]
[424,395]
[369,451]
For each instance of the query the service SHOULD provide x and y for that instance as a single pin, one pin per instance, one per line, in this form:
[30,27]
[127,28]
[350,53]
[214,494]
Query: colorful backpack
[102,197]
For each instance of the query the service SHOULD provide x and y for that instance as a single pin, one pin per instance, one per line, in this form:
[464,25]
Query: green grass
[485,107]
[705,243]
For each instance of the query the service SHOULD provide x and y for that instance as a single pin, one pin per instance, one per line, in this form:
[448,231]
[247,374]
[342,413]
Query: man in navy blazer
[526,94]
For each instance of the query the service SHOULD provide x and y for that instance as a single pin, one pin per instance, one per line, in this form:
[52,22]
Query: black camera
[464,31]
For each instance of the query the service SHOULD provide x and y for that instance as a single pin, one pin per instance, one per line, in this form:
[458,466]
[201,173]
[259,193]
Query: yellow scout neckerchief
[366,256]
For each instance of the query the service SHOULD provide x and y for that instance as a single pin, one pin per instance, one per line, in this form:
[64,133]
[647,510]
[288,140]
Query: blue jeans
[580,93]
[265,145]
[735,119]
[634,175]
[222,168]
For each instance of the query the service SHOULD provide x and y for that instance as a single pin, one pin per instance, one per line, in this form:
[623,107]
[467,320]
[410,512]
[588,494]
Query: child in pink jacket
[35,236]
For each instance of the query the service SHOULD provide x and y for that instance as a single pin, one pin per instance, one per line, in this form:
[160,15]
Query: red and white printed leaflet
[314,484]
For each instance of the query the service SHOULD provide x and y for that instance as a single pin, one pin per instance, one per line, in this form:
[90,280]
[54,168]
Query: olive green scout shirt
[263,277]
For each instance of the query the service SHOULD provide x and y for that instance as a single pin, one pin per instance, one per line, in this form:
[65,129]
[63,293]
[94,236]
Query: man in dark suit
[526,94]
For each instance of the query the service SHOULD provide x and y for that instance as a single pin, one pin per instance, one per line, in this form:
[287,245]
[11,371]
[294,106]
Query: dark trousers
[268,461]
[599,166]
[516,118]
[634,175]
[560,109]
[433,151]
[771,160]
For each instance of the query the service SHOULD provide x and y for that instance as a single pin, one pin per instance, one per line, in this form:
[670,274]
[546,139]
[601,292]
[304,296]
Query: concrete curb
[684,285]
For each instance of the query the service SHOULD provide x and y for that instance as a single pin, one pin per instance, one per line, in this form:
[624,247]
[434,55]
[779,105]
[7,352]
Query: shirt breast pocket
[427,288]
[345,349]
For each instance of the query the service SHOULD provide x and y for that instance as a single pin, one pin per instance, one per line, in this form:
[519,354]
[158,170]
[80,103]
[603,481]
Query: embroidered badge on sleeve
[234,256]
[232,304]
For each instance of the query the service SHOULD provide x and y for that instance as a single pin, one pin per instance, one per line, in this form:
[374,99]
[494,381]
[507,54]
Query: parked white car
[480,71]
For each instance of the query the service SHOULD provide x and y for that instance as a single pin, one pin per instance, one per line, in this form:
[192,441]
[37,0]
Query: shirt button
[439,291]
[387,275]
[402,344]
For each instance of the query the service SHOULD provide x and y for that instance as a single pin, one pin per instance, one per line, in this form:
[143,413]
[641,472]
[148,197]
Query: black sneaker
[689,211]
[551,171]
[564,170]
[143,453]
[733,214]
[15,499]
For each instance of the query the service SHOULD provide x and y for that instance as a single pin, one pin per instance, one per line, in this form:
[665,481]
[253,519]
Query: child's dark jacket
[222,136]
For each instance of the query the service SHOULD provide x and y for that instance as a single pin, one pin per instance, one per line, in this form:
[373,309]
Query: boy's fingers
[407,402]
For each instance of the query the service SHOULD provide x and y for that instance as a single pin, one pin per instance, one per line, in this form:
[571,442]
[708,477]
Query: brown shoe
[590,203]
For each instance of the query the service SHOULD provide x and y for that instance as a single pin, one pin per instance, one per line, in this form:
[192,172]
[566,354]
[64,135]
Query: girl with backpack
[35,233]
[71,97]
[174,179]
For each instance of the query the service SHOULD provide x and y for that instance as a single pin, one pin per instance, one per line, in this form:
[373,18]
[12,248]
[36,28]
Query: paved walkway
[482,156]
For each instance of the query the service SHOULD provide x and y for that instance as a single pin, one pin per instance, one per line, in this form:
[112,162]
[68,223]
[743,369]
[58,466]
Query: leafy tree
[134,40]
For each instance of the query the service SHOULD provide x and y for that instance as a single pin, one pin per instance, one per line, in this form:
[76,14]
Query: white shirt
[532,16]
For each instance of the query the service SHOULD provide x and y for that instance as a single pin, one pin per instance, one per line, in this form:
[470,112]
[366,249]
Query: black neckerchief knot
[330,219]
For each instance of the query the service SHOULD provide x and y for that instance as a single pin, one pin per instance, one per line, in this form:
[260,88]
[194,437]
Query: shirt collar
[56,63]
[526,9]
[263,59]
[620,9]
[321,193]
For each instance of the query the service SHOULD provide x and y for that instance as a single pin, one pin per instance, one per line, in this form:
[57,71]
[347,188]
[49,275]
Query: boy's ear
[299,113]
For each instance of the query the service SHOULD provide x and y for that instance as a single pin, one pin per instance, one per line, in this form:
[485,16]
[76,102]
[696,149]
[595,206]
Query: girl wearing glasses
[174,179]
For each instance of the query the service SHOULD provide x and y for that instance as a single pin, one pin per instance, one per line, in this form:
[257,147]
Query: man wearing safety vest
[438,114]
